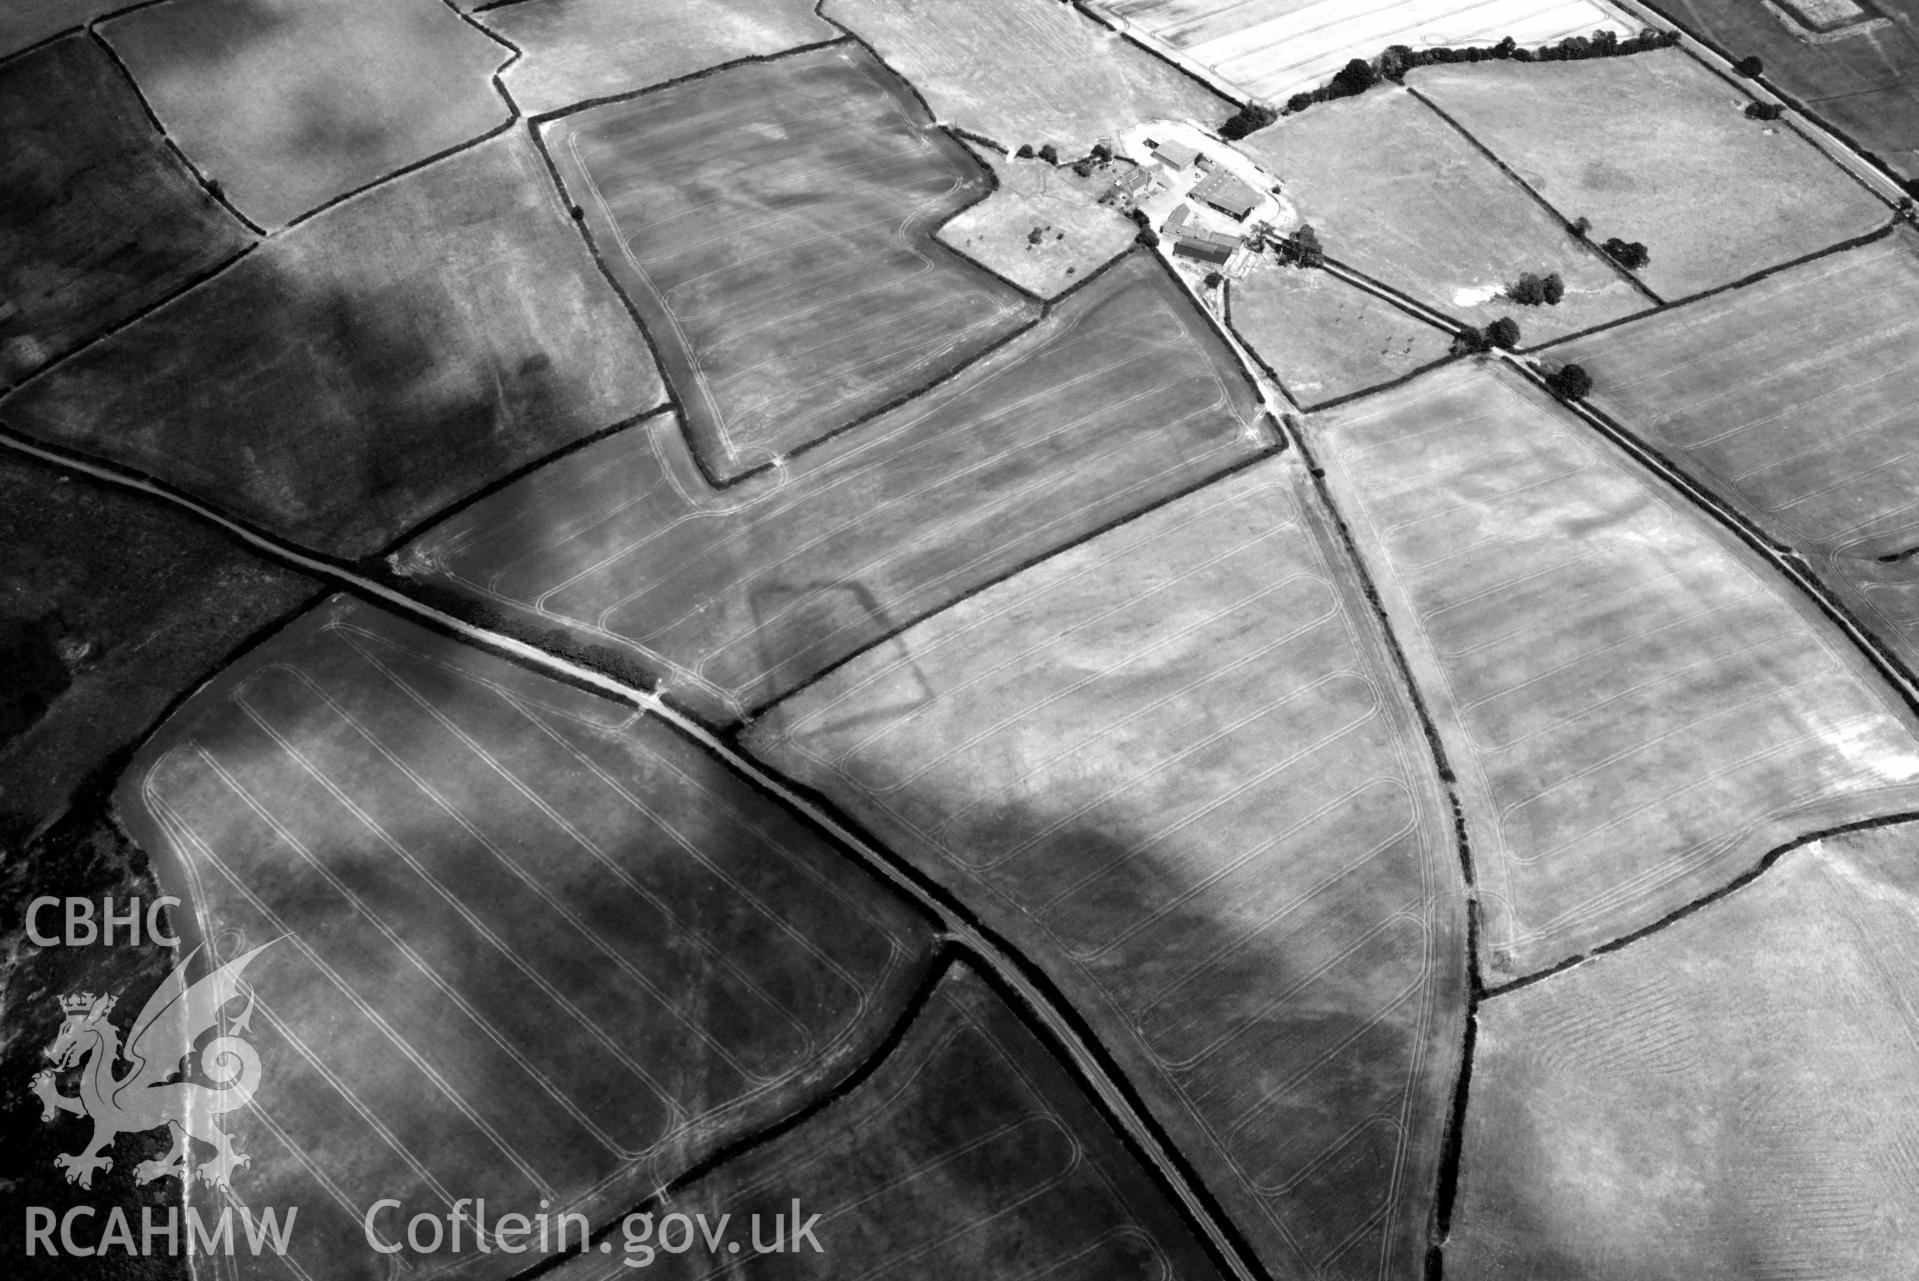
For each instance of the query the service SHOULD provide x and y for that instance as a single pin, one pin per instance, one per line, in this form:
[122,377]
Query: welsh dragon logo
[148,1096]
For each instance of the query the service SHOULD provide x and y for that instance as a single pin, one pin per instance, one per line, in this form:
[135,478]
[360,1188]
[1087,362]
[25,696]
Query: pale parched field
[1077,234]
[1637,708]
[1734,1097]
[1275,48]
[1174,766]
[1027,71]
[575,50]
[1120,398]
[1326,338]
[1396,192]
[1797,400]
[530,943]
[969,1153]
[1655,148]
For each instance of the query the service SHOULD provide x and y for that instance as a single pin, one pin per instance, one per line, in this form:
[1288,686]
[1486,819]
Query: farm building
[1176,154]
[1208,246]
[1132,185]
[1176,220]
[1226,193]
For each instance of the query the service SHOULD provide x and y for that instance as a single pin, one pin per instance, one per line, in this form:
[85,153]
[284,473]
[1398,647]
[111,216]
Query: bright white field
[1274,48]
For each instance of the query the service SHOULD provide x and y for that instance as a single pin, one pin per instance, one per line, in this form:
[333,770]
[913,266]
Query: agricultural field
[1427,213]
[28,22]
[97,217]
[353,376]
[1655,148]
[1174,767]
[1638,710]
[1043,228]
[1859,71]
[1275,48]
[969,1153]
[288,106]
[1027,71]
[1324,338]
[1121,397]
[774,226]
[576,50]
[1793,399]
[1734,1097]
[520,942]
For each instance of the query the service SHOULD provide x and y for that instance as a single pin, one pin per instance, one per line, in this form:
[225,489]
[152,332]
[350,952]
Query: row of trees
[1502,333]
[1533,289]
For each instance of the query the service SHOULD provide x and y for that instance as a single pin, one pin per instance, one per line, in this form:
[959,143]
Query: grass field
[289,105]
[1274,48]
[532,943]
[1027,71]
[1637,708]
[1734,1097]
[1655,148]
[774,224]
[1793,399]
[97,217]
[132,603]
[1076,233]
[352,377]
[580,49]
[27,22]
[970,1153]
[1326,338]
[1426,212]
[1121,397]
[1174,767]
[1865,82]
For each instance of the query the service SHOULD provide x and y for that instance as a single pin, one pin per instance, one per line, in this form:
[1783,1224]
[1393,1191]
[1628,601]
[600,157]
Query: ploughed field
[1325,338]
[773,224]
[1397,193]
[1637,707]
[1121,397]
[1655,148]
[1796,399]
[524,943]
[1734,1097]
[1174,767]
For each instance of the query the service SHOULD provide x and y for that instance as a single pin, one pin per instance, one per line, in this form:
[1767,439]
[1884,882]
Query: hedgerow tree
[1469,340]
[1570,382]
[1750,66]
[1356,77]
[1302,248]
[1025,151]
[1503,333]
[1630,254]
[1764,110]
[1049,153]
[1254,115]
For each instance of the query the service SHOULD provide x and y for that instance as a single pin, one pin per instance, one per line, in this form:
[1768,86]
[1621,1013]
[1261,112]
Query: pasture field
[1793,399]
[97,217]
[580,49]
[1275,48]
[1864,79]
[1175,768]
[1324,337]
[1733,1097]
[1637,708]
[113,604]
[1122,397]
[355,375]
[290,105]
[774,226]
[969,1153]
[1428,213]
[531,944]
[1077,234]
[27,22]
[1027,71]
[1655,148]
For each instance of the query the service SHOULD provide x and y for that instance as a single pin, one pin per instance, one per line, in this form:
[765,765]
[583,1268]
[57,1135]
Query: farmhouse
[1216,247]
[1222,191]
[1132,185]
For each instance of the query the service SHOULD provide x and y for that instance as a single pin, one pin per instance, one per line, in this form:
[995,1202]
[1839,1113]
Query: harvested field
[774,225]
[1655,148]
[1326,338]
[290,105]
[531,944]
[1428,213]
[1122,397]
[1638,708]
[1027,71]
[1076,235]
[1733,1097]
[98,218]
[1275,48]
[353,376]
[969,1153]
[581,49]
[1793,399]
[1174,767]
